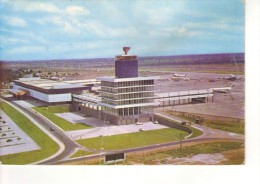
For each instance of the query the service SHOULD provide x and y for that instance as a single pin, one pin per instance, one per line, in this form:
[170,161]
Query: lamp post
[100,154]
[180,141]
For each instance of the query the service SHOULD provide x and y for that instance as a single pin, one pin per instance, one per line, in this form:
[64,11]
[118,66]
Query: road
[208,135]
[146,148]
[70,145]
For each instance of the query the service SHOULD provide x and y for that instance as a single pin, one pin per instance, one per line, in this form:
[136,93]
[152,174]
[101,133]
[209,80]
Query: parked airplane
[231,77]
[223,89]
[179,75]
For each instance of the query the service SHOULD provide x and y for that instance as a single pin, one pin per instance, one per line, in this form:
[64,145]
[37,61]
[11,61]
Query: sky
[77,29]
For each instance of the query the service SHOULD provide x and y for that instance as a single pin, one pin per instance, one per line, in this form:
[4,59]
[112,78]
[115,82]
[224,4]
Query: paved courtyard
[79,118]
[12,138]
[102,129]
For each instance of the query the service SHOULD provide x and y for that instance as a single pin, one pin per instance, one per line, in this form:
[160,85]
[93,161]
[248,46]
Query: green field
[49,112]
[131,140]
[221,125]
[229,69]
[81,153]
[227,126]
[195,132]
[48,146]
[207,148]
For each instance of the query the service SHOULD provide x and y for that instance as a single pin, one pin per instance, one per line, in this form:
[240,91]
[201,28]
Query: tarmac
[230,104]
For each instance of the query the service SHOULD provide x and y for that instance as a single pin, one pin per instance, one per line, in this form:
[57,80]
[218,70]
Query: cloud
[22,36]
[174,32]
[99,29]
[9,41]
[42,7]
[76,10]
[14,21]
[221,24]
[70,29]
[26,50]
[157,12]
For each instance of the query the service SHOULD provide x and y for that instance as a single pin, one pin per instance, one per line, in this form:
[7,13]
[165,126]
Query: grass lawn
[195,132]
[201,70]
[227,126]
[187,151]
[49,112]
[48,146]
[221,125]
[131,140]
[81,153]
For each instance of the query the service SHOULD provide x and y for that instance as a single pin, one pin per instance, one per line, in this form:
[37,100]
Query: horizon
[47,30]
[114,58]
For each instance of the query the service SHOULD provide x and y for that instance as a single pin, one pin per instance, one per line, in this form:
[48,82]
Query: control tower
[127,98]
[126,66]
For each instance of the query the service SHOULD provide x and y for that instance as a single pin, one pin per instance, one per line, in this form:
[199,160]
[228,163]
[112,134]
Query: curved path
[67,145]
[207,136]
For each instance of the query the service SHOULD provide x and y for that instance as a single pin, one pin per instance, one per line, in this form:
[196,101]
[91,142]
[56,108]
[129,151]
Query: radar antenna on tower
[126,49]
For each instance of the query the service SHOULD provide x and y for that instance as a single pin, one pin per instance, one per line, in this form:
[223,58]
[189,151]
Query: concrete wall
[170,123]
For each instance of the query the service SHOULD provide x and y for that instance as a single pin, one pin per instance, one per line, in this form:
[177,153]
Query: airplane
[231,77]
[179,75]
[180,78]
[223,89]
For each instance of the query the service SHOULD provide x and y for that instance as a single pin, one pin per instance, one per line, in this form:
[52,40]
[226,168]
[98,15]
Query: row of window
[127,83]
[127,111]
[127,96]
[127,102]
[128,90]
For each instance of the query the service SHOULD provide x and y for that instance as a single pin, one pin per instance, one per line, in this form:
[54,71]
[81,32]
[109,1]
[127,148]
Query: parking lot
[12,138]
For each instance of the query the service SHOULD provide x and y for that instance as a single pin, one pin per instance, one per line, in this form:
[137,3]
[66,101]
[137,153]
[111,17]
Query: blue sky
[59,29]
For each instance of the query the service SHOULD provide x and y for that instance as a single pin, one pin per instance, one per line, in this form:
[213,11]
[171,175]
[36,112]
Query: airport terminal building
[127,98]
[123,99]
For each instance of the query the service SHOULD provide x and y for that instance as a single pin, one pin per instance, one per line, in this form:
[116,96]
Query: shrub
[9,140]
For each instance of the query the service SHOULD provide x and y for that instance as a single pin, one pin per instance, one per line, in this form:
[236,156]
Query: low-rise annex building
[50,91]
